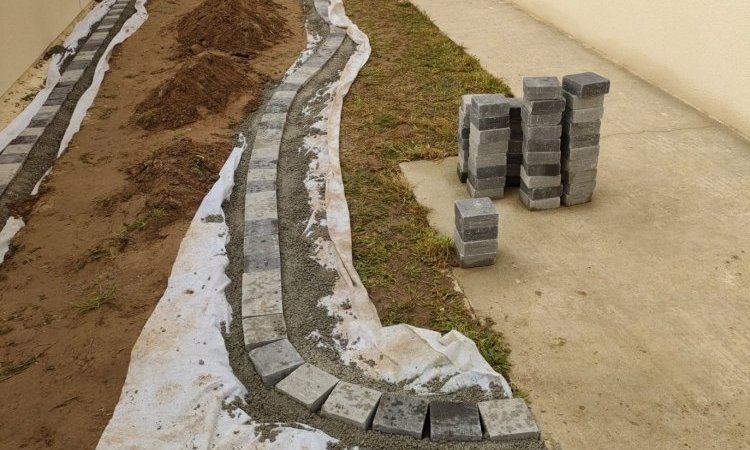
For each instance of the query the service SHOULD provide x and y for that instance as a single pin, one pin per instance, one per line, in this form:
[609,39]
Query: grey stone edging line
[274,357]
[13,156]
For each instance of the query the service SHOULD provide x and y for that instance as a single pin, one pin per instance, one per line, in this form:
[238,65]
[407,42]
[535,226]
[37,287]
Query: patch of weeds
[403,107]
[106,113]
[101,297]
[122,238]
[10,371]
[85,158]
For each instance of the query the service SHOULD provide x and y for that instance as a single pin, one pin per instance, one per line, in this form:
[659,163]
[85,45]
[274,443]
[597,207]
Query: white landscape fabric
[400,352]
[179,379]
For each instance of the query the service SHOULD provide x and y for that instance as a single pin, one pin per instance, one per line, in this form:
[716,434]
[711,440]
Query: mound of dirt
[240,27]
[206,82]
[178,175]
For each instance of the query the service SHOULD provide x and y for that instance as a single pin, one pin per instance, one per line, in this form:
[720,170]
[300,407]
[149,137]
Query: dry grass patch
[403,107]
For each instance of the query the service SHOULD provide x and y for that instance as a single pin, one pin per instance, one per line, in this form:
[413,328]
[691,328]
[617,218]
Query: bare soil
[86,271]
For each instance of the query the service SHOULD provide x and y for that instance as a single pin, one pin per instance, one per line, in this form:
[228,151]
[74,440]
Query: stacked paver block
[475,232]
[515,144]
[488,145]
[582,122]
[541,114]
[464,127]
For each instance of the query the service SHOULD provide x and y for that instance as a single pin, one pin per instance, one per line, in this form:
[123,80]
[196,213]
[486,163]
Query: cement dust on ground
[94,257]
[627,317]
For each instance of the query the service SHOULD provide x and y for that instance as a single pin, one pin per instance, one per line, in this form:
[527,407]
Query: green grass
[404,107]
[100,298]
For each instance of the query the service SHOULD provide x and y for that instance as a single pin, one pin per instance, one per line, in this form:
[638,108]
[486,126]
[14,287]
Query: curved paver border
[14,155]
[272,354]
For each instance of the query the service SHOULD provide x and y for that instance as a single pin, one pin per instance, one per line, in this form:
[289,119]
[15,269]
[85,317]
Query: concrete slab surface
[627,316]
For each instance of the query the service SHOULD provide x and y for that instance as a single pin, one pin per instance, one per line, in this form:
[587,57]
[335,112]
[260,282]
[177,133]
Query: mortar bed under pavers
[350,402]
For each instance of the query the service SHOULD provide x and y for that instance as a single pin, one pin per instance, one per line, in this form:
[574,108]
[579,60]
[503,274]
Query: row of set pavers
[274,357]
[14,155]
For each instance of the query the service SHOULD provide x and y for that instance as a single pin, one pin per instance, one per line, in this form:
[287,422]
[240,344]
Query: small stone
[275,361]
[352,403]
[197,49]
[401,414]
[454,421]
[508,419]
[308,385]
[587,84]
[541,88]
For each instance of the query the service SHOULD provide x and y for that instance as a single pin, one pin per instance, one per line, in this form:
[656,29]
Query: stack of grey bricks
[541,116]
[515,144]
[584,94]
[475,232]
[464,126]
[488,145]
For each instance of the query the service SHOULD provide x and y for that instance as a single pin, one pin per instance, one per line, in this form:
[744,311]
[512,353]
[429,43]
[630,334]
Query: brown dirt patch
[204,84]
[100,241]
[241,27]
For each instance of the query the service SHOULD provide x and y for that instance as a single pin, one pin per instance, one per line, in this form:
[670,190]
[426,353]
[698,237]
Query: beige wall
[697,50]
[27,28]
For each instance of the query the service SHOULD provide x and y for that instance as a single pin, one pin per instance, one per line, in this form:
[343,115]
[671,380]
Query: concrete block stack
[475,233]
[488,145]
[584,94]
[464,126]
[541,115]
[515,144]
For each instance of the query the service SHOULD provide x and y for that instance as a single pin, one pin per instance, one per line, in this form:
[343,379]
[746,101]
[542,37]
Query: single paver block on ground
[401,414]
[352,403]
[308,385]
[275,361]
[508,419]
[454,421]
